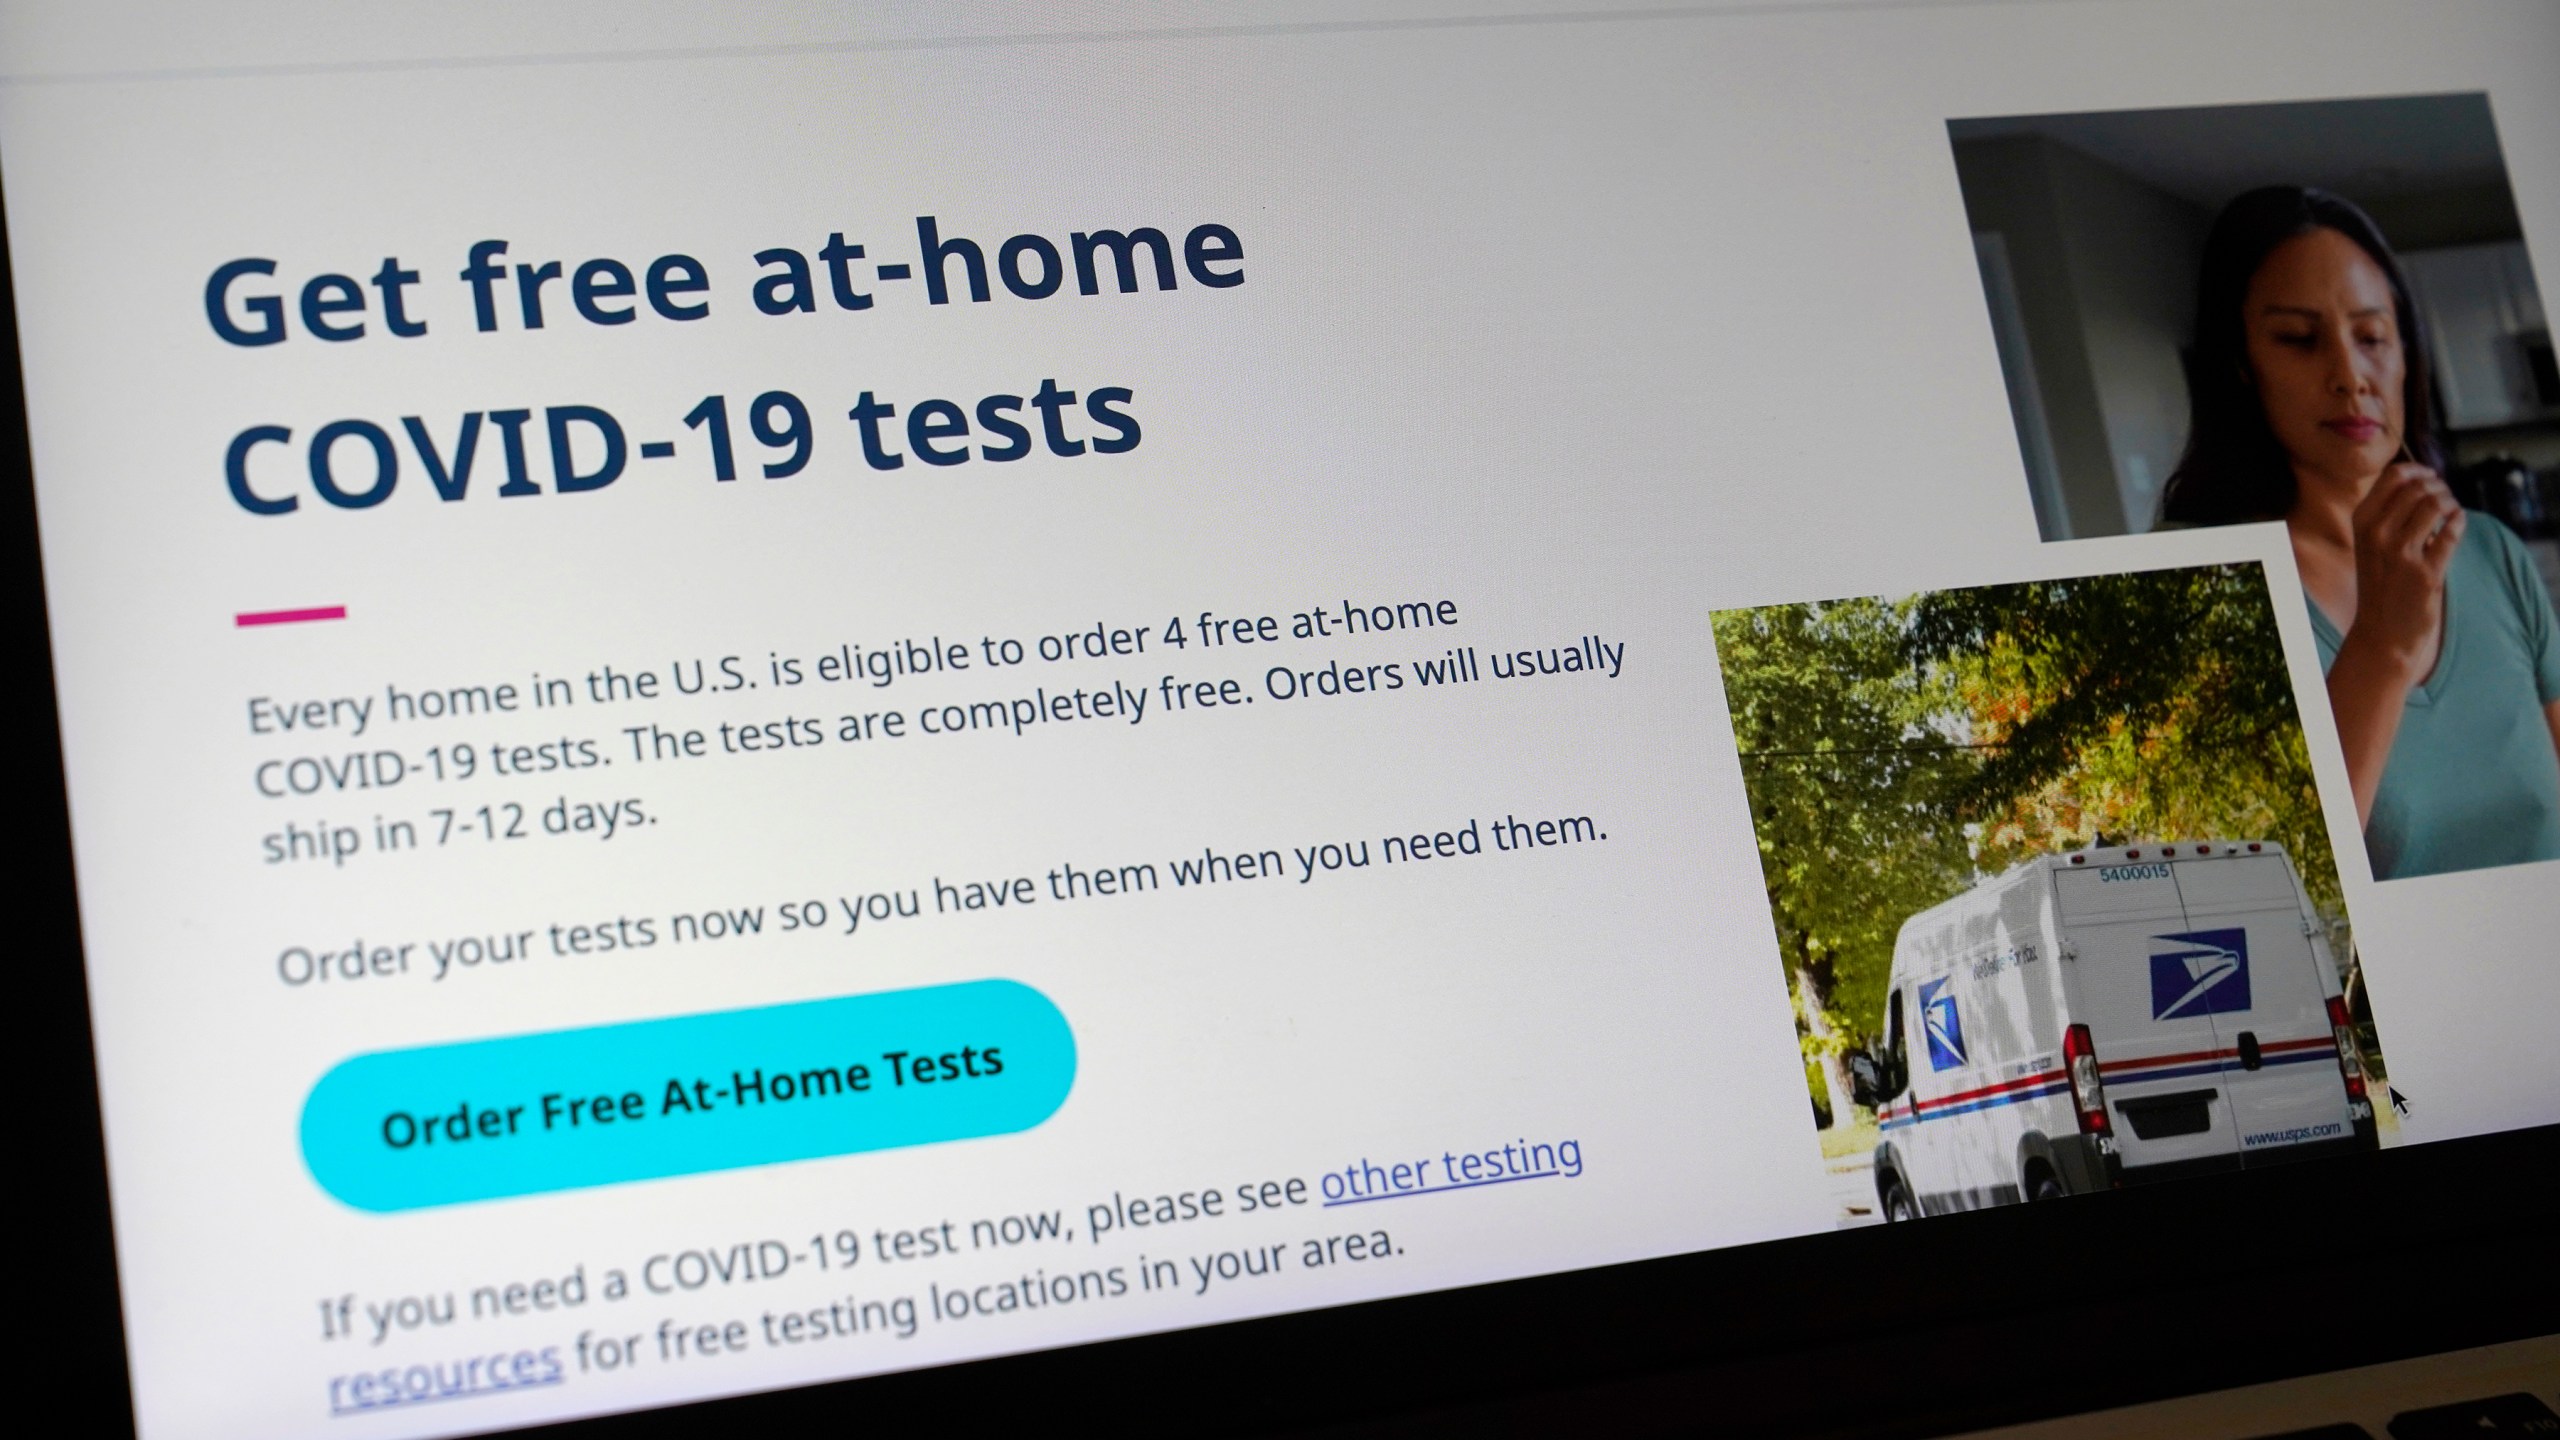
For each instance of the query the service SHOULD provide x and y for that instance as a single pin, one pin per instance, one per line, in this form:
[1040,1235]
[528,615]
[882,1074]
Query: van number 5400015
[2114,873]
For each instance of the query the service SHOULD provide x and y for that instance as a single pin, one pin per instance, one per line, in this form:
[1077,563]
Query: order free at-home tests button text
[567,1109]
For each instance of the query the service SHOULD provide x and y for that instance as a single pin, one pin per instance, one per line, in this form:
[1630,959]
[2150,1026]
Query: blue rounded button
[526,1114]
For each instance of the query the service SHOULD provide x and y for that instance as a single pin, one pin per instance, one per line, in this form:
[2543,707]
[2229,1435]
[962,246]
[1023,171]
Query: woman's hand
[2406,530]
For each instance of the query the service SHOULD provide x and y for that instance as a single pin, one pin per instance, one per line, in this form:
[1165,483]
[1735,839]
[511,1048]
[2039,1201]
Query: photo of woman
[2321,314]
[2311,404]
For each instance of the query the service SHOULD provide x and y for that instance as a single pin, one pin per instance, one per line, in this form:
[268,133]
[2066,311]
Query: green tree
[2150,706]
[1846,778]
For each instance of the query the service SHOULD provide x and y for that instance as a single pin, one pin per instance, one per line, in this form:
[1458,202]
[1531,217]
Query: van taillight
[2350,1064]
[2088,1097]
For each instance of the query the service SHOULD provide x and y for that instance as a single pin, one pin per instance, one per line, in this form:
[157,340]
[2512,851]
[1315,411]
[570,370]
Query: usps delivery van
[2106,1017]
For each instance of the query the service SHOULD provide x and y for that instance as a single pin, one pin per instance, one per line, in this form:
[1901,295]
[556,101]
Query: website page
[764,696]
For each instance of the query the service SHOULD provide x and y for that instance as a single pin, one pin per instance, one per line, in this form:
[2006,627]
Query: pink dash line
[289,617]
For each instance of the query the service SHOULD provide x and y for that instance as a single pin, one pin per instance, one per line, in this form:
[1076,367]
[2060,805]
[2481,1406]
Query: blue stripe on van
[2058,1087]
[2062,1085]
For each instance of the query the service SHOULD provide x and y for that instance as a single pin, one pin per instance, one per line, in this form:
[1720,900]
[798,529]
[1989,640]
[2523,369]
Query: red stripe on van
[1922,1104]
[2316,1042]
[2187,1057]
[2192,1057]
[2041,1077]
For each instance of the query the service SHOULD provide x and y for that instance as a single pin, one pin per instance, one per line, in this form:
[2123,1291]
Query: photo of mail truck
[2105,1017]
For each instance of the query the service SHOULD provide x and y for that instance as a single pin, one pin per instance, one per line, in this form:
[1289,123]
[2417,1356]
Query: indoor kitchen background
[2088,229]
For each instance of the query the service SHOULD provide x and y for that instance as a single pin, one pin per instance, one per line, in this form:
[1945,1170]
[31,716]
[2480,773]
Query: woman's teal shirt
[2473,779]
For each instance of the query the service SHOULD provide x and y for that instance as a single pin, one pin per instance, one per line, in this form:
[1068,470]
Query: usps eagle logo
[1945,1029]
[2205,972]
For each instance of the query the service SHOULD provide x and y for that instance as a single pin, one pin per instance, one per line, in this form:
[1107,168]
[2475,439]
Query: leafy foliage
[2151,706]
[1844,777]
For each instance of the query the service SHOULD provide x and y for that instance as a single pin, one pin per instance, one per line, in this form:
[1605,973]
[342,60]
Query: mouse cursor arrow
[2399,1102]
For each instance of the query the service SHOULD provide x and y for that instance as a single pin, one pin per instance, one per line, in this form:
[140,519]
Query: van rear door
[2159,1053]
[2268,999]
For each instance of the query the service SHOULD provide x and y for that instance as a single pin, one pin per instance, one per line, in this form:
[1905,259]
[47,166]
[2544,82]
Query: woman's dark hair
[2234,469]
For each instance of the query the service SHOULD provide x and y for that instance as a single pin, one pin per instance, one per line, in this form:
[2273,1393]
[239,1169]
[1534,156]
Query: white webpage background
[1592,323]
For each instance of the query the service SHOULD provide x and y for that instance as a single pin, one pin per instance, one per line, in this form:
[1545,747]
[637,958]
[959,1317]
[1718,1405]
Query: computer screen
[753,696]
